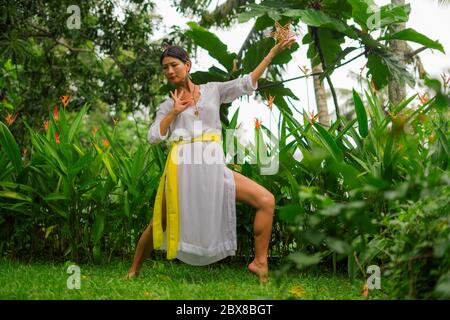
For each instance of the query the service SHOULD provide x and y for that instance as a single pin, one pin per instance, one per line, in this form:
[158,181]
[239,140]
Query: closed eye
[173,65]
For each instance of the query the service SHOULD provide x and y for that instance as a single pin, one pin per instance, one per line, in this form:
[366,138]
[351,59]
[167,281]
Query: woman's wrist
[269,56]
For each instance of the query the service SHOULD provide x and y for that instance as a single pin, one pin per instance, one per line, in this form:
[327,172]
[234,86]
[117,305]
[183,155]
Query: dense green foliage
[107,61]
[369,191]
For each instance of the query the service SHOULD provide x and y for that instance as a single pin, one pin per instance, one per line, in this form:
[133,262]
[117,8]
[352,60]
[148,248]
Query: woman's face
[174,69]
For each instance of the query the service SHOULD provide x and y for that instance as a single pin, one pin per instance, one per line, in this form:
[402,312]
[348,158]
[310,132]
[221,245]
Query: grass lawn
[172,280]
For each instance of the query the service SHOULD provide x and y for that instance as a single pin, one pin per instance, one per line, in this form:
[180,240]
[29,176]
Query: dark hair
[175,52]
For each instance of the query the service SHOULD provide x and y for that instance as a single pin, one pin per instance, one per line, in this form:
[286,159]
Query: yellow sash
[172,207]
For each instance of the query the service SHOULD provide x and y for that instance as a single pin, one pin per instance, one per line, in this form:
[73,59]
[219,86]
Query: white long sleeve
[154,133]
[233,89]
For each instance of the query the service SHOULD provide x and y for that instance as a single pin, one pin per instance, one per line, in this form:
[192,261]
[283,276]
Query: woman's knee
[267,201]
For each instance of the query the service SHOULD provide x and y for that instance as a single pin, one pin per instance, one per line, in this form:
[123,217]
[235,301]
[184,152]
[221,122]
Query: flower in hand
[284,37]
[279,47]
[282,33]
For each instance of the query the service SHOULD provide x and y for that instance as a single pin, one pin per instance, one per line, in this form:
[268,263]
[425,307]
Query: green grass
[170,280]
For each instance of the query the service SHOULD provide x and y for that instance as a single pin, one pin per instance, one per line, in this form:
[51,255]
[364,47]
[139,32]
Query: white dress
[206,189]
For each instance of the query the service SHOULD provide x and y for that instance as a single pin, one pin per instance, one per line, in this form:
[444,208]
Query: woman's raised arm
[279,47]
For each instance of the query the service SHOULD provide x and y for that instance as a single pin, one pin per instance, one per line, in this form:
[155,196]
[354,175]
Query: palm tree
[321,96]
[397,89]
[405,55]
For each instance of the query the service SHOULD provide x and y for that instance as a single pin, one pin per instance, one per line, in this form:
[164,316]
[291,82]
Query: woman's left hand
[280,46]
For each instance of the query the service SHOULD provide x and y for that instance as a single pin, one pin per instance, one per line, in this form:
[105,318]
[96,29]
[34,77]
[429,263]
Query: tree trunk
[321,97]
[397,90]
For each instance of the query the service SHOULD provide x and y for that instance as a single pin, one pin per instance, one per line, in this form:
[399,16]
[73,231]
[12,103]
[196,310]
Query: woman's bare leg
[248,191]
[144,247]
[143,250]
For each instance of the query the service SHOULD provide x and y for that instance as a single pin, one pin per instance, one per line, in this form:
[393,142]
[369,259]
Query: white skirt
[207,205]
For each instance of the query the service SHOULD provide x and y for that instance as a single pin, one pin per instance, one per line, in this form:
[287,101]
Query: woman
[199,195]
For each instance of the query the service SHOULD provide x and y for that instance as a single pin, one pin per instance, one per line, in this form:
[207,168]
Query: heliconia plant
[85,196]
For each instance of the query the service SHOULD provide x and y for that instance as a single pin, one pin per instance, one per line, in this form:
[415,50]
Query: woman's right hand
[179,104]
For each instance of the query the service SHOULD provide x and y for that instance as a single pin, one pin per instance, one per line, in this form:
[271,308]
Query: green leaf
[302,260]
[361,115]
[15,195]
[211,43]
[378,70]
[126,204]
[443,286]
[263,22]
[330,43]
[362,12]
[255,53]
[373,248]
[14,185]
[443,139]
[329,142]
[317,18]
[290,212]
[97,254]
[414,36]
[82,163]
[338,246]
[108,166]
[49,230]
[276,90]
[76,122]
[233,121]
[313,236]
[55,196]
[390,14]
[351,266]
[97,229]
[50,153]
[10,147]
[253,10]
[106,161]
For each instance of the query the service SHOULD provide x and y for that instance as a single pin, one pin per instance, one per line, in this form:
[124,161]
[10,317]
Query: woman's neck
[187,85]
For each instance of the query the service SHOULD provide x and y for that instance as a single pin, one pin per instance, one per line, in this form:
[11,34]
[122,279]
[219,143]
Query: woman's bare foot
[131,274]
[260,269]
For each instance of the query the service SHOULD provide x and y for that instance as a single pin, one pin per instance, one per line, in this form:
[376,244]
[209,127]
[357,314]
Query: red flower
[393,116]
[423,98]
[105,143]
[10,118]
[313,117]
[57,138]
[45,125]
[64,100]
[374,90]
[257,123]
[365,290]
[56,113]
[270,101]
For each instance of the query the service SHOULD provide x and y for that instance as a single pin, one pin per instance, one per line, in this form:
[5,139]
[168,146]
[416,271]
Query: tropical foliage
[369,190]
